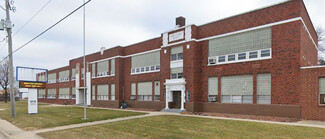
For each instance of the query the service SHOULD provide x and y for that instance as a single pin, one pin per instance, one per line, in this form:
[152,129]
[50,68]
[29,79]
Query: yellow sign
[24,84]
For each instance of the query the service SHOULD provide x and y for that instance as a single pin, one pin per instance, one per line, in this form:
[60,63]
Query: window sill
[240,61]
[145,72]
[103,76]
[176,61]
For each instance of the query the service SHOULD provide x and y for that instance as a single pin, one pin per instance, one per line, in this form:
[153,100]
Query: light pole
[84,60]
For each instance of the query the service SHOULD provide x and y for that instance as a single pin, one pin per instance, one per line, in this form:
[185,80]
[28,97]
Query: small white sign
[176,36]
[32,101]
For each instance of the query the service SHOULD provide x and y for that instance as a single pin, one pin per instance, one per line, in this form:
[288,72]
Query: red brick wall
[290,43]
[310,108]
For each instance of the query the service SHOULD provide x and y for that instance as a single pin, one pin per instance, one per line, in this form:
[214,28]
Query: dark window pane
[174,76]
[180,56]
[241,56]
[180,75]
[265,53]
[222,59]
[252,55]
[173,57]
[231,57]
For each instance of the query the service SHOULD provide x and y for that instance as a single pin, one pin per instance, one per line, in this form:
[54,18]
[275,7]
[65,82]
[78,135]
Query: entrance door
[81,96]
[177,99]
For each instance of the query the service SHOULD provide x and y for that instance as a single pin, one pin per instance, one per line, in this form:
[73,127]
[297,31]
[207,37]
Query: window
[73,73]
[51,93]
[52,78]
[222,59]
[264,88]
[145,60]
[64,76]
[73,93]
[133,89]
[247,41]
[64,93]
[82,73]
[265,53]
[237,89]
[133,71]
[231,57]
[180,56]
[174,75]
[41,93]
[158,67]
[112,66]
[145,91]
[173,57]
[157,90]
[93,72]
[248,99]
[241,56]
[252,55]
[236,99]
[321,91]
[152,68]
[102,92]
[213,89]
[176,53]
[179,75]
[93,92]
[102,68]
[112,91]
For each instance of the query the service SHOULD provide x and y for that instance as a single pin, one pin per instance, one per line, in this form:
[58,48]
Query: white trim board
[313,67]
[220,35]
[250,29]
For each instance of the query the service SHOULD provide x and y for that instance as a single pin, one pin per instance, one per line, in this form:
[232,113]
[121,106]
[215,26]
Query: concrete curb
[258,121]
[5,134]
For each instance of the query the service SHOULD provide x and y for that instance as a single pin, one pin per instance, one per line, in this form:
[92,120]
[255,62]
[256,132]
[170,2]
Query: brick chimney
[180,21]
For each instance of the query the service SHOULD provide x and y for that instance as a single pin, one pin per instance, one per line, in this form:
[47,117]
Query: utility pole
[11,71]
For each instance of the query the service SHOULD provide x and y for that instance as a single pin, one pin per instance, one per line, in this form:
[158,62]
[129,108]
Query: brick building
[263,62]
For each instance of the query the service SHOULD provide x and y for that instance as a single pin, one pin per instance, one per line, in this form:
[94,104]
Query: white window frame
[152,68]
[177,57]
[259,57]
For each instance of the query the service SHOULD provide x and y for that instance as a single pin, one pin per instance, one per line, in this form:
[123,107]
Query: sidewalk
[12,132]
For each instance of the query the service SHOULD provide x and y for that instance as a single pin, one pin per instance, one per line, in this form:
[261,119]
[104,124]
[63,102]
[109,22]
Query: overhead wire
[45,30]
[32,17]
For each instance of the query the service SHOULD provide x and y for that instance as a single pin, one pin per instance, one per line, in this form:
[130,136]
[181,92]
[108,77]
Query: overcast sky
[111,23]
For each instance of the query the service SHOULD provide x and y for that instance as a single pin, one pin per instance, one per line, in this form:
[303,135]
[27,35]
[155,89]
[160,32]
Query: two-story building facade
[252,63]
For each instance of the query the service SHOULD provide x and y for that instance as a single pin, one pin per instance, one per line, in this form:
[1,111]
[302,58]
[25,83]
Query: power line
[33,17]
[46,30]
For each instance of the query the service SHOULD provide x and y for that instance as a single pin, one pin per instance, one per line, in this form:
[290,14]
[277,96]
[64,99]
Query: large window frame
[321,91]
[249,56]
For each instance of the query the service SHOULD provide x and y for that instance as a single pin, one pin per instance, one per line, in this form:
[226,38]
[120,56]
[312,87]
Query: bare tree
[321,45]
[4,78]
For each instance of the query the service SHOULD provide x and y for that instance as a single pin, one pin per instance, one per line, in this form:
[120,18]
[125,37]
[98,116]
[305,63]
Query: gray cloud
[115,22]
